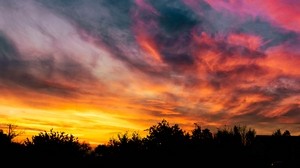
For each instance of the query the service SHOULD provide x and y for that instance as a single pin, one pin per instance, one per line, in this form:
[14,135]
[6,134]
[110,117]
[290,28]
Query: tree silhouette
[11,131]
[124,149]
[4,139]
[235,139]
[277,133]
[286,133]
[201,141]
[5,143]
[10,151]
[165,145]
[163,135]
[199,135]
[250,137]
[54,145]
[127,146]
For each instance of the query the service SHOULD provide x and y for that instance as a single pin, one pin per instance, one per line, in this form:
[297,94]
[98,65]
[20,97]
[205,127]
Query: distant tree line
[165,145]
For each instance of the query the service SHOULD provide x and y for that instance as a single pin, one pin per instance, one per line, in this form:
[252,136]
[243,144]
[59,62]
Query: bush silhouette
[286,133]
[164,145]
[54,145]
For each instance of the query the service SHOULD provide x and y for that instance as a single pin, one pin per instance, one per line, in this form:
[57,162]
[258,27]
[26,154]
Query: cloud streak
[136,62]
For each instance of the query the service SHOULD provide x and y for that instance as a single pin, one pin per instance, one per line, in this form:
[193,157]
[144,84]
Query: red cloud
[282,13]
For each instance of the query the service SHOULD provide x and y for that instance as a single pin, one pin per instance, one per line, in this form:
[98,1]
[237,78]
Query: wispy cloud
[206,61]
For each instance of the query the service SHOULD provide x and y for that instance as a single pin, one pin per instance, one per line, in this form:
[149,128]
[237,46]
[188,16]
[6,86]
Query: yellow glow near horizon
[94,127]
[95,69]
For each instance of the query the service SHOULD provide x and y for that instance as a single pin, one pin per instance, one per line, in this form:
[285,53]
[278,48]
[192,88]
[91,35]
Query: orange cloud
[127,65]
[149,48]
[249,41]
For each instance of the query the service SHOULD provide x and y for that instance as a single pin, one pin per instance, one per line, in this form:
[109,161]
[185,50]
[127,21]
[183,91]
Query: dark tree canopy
[165,145]
[277,133]
[65,148]
[286,133]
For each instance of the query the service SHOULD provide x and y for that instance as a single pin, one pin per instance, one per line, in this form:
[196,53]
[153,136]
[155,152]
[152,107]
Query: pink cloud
[250,41]
[281,13]
[145,6]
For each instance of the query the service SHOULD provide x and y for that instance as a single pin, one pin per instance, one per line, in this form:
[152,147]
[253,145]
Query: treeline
[165,145]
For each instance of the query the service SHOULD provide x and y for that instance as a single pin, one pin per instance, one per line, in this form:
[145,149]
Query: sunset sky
[99,68]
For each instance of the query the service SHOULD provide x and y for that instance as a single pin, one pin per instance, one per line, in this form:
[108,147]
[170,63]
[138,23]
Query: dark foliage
[63,148]
[165,145]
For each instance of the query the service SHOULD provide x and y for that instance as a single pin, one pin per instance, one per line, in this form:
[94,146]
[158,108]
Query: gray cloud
[185,38]
[38,75]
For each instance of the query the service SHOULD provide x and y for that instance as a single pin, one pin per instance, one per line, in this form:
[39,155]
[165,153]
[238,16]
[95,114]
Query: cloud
[211,62]
[280,13]
[36,75]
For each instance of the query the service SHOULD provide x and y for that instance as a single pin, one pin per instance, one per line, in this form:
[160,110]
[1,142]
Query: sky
[98,68]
